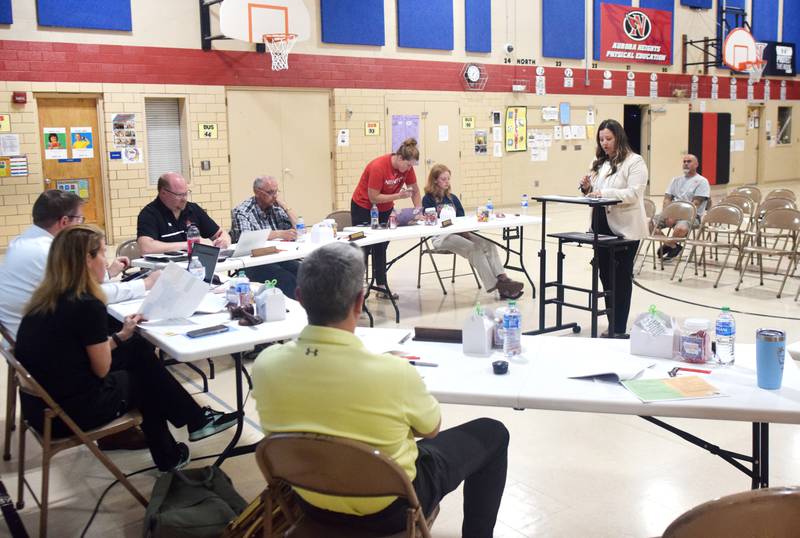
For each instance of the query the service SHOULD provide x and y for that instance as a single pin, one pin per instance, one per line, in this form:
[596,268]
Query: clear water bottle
[300,227]
[243,289]
[523,205]
[196,268]
[373,217]
[490,208]
[512,330]
[192,237]
[725,336]
[232,295]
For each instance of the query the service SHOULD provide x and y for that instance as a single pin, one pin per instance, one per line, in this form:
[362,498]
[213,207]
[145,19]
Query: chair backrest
[751,191]
[773,512]
[775,203]
[723,214]
[27,383]
[129,248]
[649,208]
[342,218]
[679,211]
[332,466]
[7,336]
[782,193]
[782,218]
[745,203]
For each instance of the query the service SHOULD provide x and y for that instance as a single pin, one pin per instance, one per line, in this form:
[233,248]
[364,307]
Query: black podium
[597,241]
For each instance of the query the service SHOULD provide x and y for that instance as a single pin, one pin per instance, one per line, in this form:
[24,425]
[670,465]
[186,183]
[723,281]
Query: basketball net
[756,69]
[279,46]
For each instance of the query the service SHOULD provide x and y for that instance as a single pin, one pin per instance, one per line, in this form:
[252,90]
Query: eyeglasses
[179,194]
[269,193]
[79,218]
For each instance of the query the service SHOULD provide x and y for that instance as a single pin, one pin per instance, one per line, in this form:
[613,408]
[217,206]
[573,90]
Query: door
[751,172]
[285,134]
[437,137]
[668,133]
[71,152]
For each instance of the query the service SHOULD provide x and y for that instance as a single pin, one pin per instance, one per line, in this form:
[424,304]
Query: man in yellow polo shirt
[327,382]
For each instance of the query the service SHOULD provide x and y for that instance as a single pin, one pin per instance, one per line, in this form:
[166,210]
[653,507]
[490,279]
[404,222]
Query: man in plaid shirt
[265,211]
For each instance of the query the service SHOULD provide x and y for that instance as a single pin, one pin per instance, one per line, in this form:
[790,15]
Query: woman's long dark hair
[623,147]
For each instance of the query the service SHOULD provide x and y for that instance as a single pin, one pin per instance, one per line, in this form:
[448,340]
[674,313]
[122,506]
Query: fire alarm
[19,97]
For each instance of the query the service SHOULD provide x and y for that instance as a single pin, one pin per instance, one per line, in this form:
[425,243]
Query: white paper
[9,144]
[541,88]
[702,106]
[567,129]
[579,132]
[613,369]
[211,304]
[497,134]
[131,155]
[739,145]
[733,130]
[176,294]
[550,113]
[444,133]
[653,89]
[606,84]
[630,88]
[497,149]
[343,138]
[557,132]
[590,116]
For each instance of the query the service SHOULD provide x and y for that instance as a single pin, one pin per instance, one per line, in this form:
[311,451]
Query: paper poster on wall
[55,143]
[557,132]
[131,155]
[5,123]
[343,138]
[564,113]
[590,116]
[403,127]
[75,186]
[549,113]
[82,142]
[372,128]
[516,128]
[567,129]
[497,134]
[579,132]
[9,144]
[541,85]
[590,132]
[538,154]
[481,142]
[5,166]
[124,130]
[497,149]
[444,133]
[467,122]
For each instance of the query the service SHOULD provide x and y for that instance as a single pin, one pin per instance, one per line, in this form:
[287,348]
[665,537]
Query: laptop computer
[248,241]
[208,256]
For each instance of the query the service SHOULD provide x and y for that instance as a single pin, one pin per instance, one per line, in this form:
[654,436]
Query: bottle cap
[726,309]
[652,309]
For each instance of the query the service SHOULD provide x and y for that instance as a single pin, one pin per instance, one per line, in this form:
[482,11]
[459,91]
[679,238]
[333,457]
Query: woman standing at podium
[619,173]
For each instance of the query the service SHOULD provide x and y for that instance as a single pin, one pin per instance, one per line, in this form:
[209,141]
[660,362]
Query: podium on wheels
[597,241]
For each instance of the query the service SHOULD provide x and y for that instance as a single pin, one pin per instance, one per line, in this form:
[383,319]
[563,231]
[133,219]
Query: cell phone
[135,276]
[206,331]
[175,253]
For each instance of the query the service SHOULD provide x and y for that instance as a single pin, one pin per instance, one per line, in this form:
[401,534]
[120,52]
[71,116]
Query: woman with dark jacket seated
[64,343]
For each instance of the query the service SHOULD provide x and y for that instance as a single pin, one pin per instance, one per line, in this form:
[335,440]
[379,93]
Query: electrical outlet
[535,182]
[205,165]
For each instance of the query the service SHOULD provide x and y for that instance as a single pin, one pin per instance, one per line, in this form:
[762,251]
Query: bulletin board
[94,14]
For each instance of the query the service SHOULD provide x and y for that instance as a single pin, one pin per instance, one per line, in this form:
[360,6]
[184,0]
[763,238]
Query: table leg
[230,450]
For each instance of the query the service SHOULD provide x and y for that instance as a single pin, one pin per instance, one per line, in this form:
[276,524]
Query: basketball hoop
[279,46]
[756,69]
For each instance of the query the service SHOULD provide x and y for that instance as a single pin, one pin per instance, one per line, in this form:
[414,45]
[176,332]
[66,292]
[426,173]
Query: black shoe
[673,252]
[664,251]
[216,421]
[183,459]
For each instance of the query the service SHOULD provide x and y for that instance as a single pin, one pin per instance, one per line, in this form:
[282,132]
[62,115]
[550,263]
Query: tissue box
[644,343]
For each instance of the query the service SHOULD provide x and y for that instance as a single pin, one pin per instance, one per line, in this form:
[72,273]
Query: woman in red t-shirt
[385,180]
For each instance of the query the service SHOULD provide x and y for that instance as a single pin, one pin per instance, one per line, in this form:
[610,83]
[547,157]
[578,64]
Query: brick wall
[128,185]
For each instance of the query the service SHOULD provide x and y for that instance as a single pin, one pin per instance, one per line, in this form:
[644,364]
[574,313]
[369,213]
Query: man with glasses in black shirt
[162,223]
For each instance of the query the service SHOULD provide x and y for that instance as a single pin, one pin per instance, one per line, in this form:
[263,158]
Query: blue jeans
[284,272]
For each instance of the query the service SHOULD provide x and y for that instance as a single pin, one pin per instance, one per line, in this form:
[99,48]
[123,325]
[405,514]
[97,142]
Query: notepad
[672,388]
[609,369]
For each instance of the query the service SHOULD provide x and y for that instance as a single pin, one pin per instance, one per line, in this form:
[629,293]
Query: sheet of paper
[211,304]
[672,388]
[444,133]
[176,294]
[9,144]
[609,368]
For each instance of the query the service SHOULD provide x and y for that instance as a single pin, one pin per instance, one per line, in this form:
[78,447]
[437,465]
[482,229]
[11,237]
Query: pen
[404,339]
[420,363]
[677,369]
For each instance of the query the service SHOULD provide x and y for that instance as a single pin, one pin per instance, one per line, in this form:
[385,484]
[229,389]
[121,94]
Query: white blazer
[628,184]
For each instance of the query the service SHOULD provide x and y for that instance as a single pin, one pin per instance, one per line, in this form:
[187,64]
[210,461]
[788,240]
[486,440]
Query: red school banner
[635,35]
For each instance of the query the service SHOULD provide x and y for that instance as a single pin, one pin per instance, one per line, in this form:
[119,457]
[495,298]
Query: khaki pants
[481,253]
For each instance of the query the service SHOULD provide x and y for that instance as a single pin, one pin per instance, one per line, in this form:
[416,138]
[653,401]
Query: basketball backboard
[739,49]
[249,20]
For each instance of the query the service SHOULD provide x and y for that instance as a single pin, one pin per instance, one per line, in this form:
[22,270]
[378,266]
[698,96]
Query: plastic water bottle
[192,237]
[523,209]
[725,336]
[373,217]
[243,289]
[490,208]
[300,227]
[196,268]
[512,330]
[232,295]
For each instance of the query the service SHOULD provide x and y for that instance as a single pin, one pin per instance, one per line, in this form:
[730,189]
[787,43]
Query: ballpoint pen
[674,371]
[404,339]
[420,363]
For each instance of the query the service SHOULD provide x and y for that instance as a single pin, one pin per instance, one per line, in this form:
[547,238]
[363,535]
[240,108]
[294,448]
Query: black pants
[359,215]
[138,380]
[475,453]
[284,272]
[622,285]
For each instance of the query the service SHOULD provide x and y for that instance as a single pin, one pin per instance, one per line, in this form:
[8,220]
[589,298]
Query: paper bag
[477,335]
[653,340]
[271,304]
